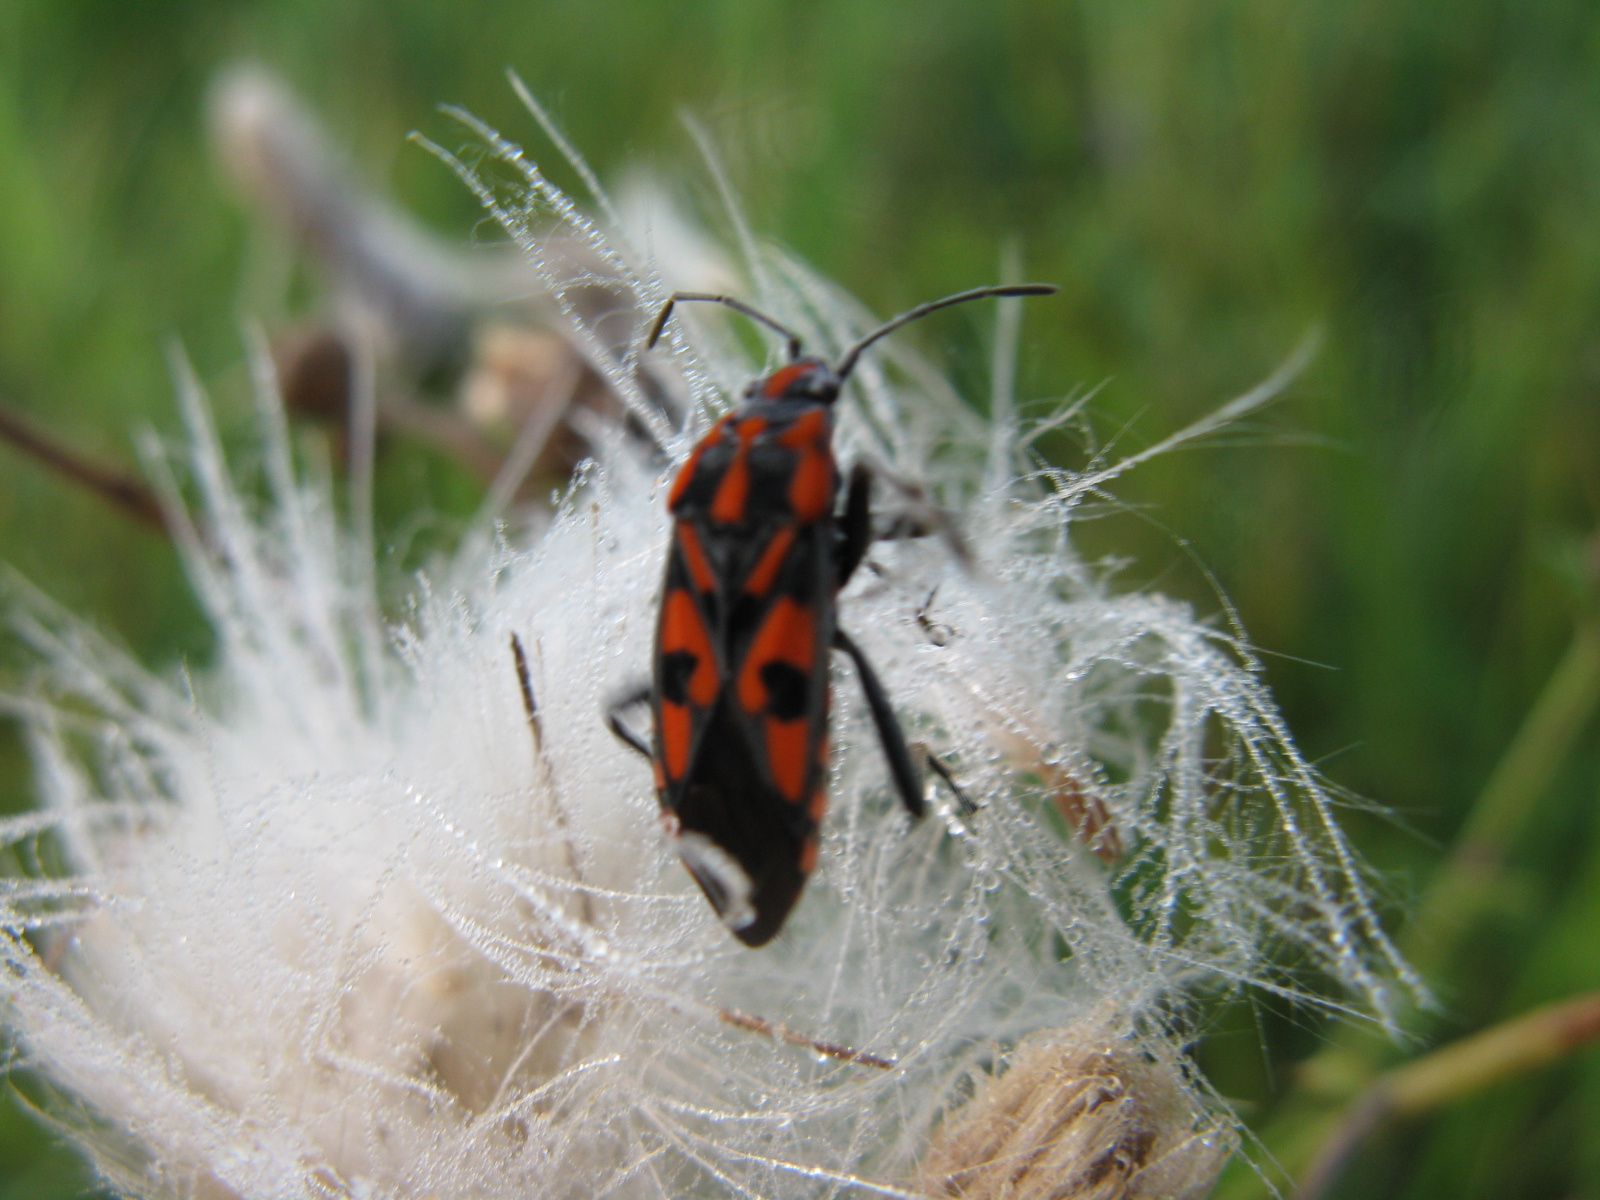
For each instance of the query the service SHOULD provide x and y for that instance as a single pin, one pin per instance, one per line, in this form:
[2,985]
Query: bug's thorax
[770,459]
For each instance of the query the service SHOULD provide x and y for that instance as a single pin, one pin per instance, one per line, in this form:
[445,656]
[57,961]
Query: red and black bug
[740,691]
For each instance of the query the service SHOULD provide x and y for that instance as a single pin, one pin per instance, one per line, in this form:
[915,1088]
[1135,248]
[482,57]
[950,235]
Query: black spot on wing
[788,689]
[676,668]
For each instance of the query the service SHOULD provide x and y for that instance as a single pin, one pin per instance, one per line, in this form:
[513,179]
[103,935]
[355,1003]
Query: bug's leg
[855,527]
[893,740]
[625,733]
[921,517]
[916,517]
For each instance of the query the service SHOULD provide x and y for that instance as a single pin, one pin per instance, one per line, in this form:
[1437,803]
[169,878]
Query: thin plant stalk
[1515,1047]
[1462,890]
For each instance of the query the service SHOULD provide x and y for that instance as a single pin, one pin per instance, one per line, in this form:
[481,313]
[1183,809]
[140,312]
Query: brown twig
[784,1034]
[115,486]
[1526,1043]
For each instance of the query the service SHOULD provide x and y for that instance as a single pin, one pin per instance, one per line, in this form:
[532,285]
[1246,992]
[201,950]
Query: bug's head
[809,380]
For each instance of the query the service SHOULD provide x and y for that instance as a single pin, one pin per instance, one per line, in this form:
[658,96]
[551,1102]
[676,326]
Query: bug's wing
[688,664]
[751,790]
[777,670]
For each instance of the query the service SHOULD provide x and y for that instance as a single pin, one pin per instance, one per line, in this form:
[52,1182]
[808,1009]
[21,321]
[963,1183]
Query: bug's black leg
[626,735]
[856,524]
[917,517]
[901,769]
[921,517]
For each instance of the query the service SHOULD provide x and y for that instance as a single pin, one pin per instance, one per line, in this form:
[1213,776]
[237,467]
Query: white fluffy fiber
[323,920]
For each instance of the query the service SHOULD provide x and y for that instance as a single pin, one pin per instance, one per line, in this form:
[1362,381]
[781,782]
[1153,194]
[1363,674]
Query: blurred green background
[1406,536]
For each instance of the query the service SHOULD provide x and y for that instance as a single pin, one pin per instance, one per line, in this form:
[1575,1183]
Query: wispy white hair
[333,918]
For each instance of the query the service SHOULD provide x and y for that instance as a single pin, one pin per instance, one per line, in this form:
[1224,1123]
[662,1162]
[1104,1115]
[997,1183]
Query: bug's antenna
[852,355]
[737,306]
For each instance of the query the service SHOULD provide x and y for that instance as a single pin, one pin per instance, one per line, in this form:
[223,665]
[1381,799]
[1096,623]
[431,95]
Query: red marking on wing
[818,805]
[676,731]
[682,629]
[694,556]
[808,854]
[692,463]
[811,484]
[759,581]
[782,378]
[727,505]
[807,429]
[785,636]
[786,755]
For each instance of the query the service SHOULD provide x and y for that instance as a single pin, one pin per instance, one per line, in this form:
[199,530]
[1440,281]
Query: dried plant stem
[1084,812]
[1514,1047]
[781,1032]
[109,483]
